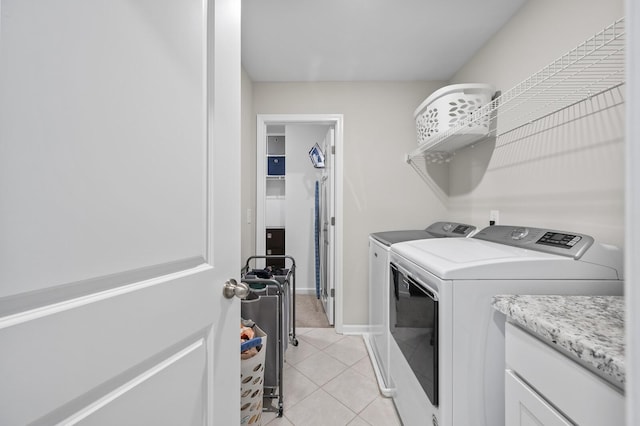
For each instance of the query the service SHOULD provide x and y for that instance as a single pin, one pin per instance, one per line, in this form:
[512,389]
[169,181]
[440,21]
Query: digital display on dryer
[557,239]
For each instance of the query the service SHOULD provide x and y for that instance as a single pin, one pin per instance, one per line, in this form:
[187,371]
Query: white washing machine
[447,345]
[377,341]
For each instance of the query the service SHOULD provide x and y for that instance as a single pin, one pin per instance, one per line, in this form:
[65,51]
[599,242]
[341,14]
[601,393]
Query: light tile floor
[329,381]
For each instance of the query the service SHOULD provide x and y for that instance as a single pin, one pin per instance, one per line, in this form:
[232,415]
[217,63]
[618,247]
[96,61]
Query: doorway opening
[301,199]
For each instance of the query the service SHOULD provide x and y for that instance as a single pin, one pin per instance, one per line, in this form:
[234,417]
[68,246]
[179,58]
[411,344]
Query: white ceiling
[366,40]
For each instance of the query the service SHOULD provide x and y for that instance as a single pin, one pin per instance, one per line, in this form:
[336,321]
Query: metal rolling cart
[271,304]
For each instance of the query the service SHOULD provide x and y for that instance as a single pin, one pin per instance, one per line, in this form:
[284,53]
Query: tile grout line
[321,387]
[333,377]
[349,367]
[317,387]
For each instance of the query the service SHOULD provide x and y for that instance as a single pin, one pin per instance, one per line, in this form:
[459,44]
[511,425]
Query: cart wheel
[280,409]
[294,341]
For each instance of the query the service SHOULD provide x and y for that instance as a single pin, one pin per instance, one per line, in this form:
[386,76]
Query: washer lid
[392,237]
[470,258]
[435,230]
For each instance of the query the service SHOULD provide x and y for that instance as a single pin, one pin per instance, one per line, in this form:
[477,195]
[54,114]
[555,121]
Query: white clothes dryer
[447,343]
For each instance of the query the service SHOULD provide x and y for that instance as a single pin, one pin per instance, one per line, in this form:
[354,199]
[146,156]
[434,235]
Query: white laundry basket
[252,384]
[447,107]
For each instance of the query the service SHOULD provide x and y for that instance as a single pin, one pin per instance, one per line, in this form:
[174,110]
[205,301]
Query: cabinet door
[275,238]
[275,245]
[524,407]
[572,389]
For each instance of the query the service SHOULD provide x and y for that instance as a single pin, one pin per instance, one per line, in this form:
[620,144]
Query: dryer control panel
[450,229]
[562,243]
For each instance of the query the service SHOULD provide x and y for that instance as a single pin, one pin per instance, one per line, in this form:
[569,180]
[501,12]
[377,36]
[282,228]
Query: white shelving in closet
[593,67]
[275,185]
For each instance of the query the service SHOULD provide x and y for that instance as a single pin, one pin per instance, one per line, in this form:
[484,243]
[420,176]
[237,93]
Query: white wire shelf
[595,66]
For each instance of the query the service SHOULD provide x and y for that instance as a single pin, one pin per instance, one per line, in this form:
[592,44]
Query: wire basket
[450,106]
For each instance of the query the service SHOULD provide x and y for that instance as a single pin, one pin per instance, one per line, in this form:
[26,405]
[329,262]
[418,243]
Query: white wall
[378,130]
[566,172]
[300,200]
[540,32]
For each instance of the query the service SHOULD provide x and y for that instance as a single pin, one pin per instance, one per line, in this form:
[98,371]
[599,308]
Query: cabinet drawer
[274,244]
[577,392]
[274,238]
[275,251]
[275,145]
[275,166]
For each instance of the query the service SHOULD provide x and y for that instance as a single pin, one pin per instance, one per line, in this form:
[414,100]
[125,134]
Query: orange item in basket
[246,333]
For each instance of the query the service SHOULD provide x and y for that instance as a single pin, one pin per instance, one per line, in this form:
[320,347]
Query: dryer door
[413,322]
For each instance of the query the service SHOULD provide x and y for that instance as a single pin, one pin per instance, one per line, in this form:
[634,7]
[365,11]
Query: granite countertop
[591,328]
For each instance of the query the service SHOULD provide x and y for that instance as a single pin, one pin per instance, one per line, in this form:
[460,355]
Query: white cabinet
[524,407]
[545,386]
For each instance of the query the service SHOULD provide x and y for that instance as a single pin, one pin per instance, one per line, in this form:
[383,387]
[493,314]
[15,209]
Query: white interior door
[113,252]
[327,231]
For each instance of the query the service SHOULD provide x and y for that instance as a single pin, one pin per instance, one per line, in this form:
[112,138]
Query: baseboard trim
[355,329]
[307,291]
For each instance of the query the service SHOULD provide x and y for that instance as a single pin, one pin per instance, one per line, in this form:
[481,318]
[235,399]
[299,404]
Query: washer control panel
[546,240]
[519,233]
[451,229]
[559,239]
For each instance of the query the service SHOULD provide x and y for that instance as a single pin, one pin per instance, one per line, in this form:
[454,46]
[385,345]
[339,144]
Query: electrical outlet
[249,216]
[494,217]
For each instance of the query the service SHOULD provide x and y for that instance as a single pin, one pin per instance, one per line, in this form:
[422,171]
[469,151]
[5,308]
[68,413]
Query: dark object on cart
[271,303]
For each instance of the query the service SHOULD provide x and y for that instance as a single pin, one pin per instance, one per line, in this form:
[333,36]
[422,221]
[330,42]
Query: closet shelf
[595,66]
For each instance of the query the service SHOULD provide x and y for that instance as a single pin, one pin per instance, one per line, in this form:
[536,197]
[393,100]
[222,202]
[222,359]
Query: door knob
[233,288]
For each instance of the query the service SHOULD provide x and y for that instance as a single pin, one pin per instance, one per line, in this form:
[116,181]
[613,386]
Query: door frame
[335,120]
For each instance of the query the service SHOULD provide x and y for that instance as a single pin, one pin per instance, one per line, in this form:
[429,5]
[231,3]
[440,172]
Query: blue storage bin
[275,166]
